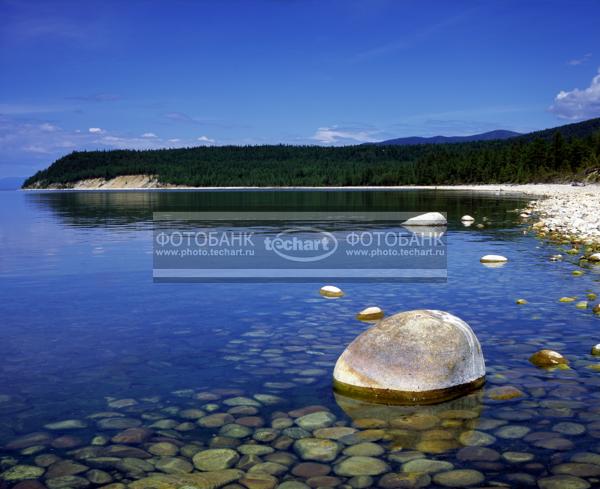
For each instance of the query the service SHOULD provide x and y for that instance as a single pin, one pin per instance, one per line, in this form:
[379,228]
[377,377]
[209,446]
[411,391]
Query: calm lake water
[87,336]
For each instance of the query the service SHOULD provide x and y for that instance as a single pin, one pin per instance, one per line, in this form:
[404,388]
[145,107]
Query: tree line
[543,158]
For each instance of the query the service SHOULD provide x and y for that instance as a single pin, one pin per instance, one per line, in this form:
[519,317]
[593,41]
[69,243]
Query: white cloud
[47,127]
[206,139]
[95,130]
[578,104]
[174,140]
[579,61]
[149,135]
[335,135]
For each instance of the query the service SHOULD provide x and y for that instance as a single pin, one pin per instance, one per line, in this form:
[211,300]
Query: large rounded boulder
[422,356]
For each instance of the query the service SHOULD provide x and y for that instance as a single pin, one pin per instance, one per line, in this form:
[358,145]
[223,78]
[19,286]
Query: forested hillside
[560,154]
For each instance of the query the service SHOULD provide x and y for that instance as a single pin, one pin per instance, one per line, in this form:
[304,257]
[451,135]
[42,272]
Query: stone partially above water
[493,259]
[427,219]
[331,291]
[547,358]
[414,356]
[372,313]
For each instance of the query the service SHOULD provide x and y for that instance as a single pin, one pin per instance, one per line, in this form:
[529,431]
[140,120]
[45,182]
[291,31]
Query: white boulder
[331,291]
[414,356]
[493,259]
[427,219]
[371,313]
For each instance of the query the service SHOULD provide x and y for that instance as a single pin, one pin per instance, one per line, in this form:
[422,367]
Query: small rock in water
[467,218]
[591,296]
[427,219]
[594,257]
[582,305]
[493,259]
[370,314]
[504,393]
[331,291]
[596,309]
[556,257]
[521,301]
[567,299]
[68,424]
[596,349]
[215,459]
[22,472]
[547,358]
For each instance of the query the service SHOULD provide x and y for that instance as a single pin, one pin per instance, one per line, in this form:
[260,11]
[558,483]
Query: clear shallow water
[82,324]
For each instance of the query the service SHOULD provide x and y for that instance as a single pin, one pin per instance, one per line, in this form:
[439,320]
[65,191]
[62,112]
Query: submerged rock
[331,291]
[414,356]
[596,349]
[198,480]
[467,218]
[547,358]
[372,313]
[504,393]
[22,472]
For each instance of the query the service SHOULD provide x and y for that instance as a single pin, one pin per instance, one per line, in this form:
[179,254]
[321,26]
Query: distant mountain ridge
[484,136]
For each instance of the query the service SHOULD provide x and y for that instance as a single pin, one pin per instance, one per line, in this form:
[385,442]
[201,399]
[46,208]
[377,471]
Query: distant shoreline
[533,189]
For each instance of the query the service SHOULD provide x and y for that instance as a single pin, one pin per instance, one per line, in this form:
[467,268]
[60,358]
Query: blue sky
[150,74]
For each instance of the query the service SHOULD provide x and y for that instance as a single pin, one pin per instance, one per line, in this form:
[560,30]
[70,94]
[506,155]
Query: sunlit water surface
[82,324]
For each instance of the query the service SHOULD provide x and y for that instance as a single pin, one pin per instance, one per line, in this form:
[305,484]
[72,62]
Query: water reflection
[436,428]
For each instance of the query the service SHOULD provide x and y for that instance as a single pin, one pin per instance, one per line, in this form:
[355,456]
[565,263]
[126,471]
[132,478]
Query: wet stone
[235,431]
[314,421]
[46,459]
[292,485]
[271,468]
[323,481]
[476,438]
[479,454]
[250,421]
[517,457]
[22,472]
[426,466]
[265,435]
[255,449]
[29,484]
[334,433]
[281,423]
[67,424]
[224,442]
[38,438]
[174,465]
[316,449]
[554,444]
[360,481]
[191,414]
[215,459]
[361,466]
[215,420]
[118,423]
[310,469]
[567,428]
[563,482]
[296,433]
[258,481]
[65,467]
[366,449]
[577,469]
[459,478]
[67,481]
[163,449]
[62,442]
[586,458]
[99,477]
[504,393]
[512,432]
[241,401]
[414,480]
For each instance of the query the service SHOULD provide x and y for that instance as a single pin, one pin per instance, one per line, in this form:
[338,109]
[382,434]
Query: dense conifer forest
[560,154]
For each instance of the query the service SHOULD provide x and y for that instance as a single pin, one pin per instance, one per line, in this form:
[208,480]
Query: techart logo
[302,244]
